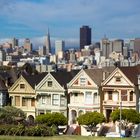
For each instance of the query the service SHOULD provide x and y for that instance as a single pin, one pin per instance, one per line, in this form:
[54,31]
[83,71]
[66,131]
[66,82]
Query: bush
[129,115]
[21,130]
[52,119]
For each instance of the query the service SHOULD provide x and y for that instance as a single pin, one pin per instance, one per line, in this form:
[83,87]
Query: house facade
[51,93]
[84,94]
[51,96]
[120,90]
[22,93]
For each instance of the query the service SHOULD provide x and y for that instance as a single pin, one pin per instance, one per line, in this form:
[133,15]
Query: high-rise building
[48,44]
[14,42]
[27,45]
[106,47]
[118,45]
[2,55]
[59,46]
[85,36]
[137,46]
[42,50]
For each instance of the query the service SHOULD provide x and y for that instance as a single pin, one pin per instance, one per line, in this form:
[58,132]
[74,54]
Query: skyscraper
[85,36]
[137,46]
[118,45]
[48,44]
[14,42]
[42,50]
[27,45]
[59,46]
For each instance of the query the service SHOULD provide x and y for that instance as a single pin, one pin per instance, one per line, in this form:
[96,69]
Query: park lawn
[62,138]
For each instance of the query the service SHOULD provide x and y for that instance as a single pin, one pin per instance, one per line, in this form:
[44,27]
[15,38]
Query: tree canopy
[52,119]
[8,114]
[91,118]
[129,115]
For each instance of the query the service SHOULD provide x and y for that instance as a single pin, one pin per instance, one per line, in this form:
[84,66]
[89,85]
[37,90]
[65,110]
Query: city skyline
[116,19]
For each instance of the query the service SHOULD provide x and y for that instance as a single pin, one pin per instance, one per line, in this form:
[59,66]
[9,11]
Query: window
[124,95]
[131,96]
[24,102]
[55,100]
[88,98]
[32,102]
[49,83]
[95,97]
[17,100]
[82,81]
[43,100]
[75,94]
[22,86]
[118,79]
[62,101]
[109,95]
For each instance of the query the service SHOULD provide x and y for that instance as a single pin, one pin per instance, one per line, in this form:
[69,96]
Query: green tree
[91,119]
[128,115]
[52,119]
[9,114]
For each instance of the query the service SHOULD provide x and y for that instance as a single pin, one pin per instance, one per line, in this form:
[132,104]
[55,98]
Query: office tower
[48,44]
[14,42]
[27,45]
[59,46]
[85,36]
[42,50]
[2,55]
[137,46]
[106,47]
[118,46]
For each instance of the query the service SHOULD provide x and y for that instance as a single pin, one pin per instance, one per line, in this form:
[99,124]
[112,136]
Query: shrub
[129,115]
[52,119]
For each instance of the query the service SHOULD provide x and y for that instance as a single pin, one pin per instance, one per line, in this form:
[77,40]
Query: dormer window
[22,86]
[49,83]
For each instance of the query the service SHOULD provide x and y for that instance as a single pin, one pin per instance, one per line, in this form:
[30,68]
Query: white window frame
[88,99]
[55,99]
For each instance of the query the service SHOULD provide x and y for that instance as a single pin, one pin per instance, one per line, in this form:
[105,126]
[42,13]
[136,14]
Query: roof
[131,73]
[64,77]
[96,74]
[34,79]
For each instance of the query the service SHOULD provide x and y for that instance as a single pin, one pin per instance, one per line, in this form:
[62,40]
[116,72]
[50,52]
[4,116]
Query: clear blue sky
[32,18]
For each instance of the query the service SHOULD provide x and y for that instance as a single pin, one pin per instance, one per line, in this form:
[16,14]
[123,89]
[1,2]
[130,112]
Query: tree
[91,119]
[9,114]
[128,115]
[59,119]
[52,119]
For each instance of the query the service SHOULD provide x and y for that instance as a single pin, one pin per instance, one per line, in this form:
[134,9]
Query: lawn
[63,138]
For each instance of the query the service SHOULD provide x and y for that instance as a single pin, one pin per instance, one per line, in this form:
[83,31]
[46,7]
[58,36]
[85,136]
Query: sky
[63,18]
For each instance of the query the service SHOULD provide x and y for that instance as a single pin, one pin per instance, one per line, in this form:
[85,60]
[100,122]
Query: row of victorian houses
[77,92]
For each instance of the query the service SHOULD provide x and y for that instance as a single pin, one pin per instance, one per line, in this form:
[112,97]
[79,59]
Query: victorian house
[22,93]
[51,92]
[120,90]
[85,92]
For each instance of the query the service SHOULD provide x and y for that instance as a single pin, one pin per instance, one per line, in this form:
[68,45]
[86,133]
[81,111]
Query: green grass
[63,138]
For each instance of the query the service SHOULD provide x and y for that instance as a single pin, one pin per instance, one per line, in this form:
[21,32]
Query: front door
[108,112]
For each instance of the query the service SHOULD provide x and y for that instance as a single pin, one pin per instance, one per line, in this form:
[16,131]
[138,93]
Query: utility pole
[120,117]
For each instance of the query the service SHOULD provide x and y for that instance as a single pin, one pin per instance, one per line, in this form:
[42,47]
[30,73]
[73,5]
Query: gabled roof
[97,74]
[34,79]
[132,73]
[64,77]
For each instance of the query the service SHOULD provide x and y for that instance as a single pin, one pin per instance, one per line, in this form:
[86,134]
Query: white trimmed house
[120,89]
[51,93]
[85,93]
